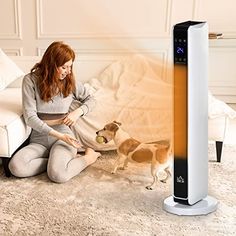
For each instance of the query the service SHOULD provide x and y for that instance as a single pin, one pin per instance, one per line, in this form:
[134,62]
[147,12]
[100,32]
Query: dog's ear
[116,122]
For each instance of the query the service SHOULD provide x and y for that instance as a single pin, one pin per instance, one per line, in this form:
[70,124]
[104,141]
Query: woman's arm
[87,101]
[85,97]
[30,107]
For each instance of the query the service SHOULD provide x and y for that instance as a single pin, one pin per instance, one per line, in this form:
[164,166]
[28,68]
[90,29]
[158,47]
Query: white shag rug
[99,203]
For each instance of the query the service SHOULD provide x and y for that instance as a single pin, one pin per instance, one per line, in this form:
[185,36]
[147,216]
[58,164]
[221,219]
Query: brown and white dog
[129,149]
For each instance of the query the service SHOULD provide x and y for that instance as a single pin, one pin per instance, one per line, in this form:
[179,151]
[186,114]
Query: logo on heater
[180,179]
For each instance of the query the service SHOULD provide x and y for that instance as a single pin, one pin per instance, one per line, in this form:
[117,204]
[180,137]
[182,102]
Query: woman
[47,95]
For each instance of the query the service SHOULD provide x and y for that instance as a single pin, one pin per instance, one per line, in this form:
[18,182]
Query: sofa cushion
[217,128]
[218,108]
[13,130]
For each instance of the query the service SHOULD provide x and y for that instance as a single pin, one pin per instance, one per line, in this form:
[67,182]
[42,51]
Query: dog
[130,149]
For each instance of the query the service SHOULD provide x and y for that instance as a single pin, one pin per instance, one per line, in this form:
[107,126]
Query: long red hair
[56,55]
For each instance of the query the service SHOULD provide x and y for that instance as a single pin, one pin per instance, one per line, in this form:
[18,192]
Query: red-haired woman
[47,93]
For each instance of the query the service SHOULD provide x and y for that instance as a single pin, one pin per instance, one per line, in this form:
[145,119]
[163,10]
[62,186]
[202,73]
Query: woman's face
[65,69]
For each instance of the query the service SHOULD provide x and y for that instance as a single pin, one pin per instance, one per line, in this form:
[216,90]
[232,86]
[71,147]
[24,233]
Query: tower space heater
[190,168]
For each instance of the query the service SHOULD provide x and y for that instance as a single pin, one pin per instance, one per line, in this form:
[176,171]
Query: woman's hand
[66,138]
[72,117]
[70,140]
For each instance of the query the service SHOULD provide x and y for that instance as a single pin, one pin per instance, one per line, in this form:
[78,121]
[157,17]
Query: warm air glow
[180,111]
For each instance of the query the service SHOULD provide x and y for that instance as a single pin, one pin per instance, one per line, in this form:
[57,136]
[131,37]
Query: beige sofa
[14,132]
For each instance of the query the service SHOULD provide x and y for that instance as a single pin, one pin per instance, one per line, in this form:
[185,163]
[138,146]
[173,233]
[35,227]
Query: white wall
[99,29]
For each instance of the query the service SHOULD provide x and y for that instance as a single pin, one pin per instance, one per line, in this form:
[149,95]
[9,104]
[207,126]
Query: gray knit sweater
[33,104]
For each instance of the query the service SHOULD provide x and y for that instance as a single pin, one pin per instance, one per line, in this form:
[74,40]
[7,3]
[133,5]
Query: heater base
[203,207]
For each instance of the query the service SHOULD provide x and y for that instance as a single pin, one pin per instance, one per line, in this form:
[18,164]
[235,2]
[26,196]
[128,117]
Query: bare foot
[91,156]
[89,151]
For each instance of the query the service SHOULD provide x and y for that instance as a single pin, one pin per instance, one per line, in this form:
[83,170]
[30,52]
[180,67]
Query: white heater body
[190,183]
[190,168]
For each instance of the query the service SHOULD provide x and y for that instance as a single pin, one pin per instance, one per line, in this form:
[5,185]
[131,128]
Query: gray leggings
[48,153]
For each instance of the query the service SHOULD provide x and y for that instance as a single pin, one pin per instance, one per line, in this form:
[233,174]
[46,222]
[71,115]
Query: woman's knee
[60,155]
[29,161]
[57,176]
[17,167]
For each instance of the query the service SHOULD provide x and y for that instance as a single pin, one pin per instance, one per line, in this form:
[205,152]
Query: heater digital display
[180,50]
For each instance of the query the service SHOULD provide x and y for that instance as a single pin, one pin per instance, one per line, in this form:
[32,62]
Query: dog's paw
[163,181]
[121,168]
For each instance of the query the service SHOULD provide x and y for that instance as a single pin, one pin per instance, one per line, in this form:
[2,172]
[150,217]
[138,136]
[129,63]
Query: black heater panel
[180,115]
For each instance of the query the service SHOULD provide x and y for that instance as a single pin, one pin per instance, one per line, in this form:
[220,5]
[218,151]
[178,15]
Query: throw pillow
[9,71]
